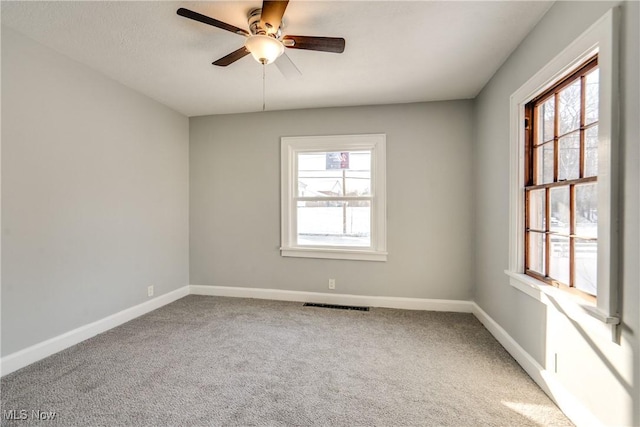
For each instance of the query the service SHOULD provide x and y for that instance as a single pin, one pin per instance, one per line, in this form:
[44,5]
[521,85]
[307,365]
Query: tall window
[333,197]
[561,173]
[553,238]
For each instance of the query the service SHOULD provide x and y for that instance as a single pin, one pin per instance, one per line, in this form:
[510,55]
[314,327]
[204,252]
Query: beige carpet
[211,361]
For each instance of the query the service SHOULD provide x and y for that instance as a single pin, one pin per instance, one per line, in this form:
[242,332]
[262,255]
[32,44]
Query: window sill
[332,253]
[572,306]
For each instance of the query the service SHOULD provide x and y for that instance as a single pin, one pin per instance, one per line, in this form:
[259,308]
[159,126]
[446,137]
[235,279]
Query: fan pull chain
[263,85]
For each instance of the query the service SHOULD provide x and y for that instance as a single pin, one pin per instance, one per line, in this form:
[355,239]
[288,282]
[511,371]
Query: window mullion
[547,237]
[556,141]
[583,97]
[334,199]
[572,232]
[563,183]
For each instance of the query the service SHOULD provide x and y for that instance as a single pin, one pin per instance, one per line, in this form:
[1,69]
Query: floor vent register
[337,307]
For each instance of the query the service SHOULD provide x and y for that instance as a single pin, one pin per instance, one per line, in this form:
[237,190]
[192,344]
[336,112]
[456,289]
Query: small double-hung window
[334,197]
[561,189]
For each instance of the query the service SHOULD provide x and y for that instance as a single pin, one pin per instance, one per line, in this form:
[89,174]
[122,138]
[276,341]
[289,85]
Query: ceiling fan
[264,40]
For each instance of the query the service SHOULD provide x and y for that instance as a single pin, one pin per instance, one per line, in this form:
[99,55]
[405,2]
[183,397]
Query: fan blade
[272,12]
[287,67]
[232,57]
[323,44]
[206,20]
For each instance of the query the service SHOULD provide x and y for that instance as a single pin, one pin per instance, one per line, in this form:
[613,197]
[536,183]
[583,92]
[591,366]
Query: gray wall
[96,206]
[95,195]
[602,374]
[235,201]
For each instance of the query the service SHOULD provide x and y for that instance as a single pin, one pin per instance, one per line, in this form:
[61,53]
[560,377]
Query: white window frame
[289,149]
[600,38]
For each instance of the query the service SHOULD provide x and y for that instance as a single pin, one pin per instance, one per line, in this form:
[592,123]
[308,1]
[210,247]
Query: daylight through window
[561,172]
[333,197]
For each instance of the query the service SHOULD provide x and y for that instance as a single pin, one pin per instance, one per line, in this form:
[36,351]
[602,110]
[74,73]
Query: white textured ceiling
[396,51]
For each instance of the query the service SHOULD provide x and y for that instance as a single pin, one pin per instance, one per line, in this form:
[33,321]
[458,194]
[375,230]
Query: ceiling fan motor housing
[253,17]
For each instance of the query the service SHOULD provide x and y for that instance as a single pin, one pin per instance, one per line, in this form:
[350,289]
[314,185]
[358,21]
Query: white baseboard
[341,299]
[567,403]
[29,355]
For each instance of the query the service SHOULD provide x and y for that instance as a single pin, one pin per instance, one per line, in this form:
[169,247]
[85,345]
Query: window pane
[536,252]
[357,183]
[544,164]
[358,176]
[569,157]
[536,209]
[546,114]
[591,151]
[587,210]
[569,108]
[334,174]
[586,264]
[559,259]
[334,223]
[591,97]
[560,214]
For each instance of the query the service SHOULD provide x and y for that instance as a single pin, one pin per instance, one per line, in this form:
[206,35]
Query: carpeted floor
[211,361]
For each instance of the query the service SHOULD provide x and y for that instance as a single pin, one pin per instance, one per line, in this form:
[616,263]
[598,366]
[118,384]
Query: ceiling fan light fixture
[263,48]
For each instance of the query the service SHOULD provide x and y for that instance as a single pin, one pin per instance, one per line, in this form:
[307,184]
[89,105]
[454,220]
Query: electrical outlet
[332,283]
[150,291]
